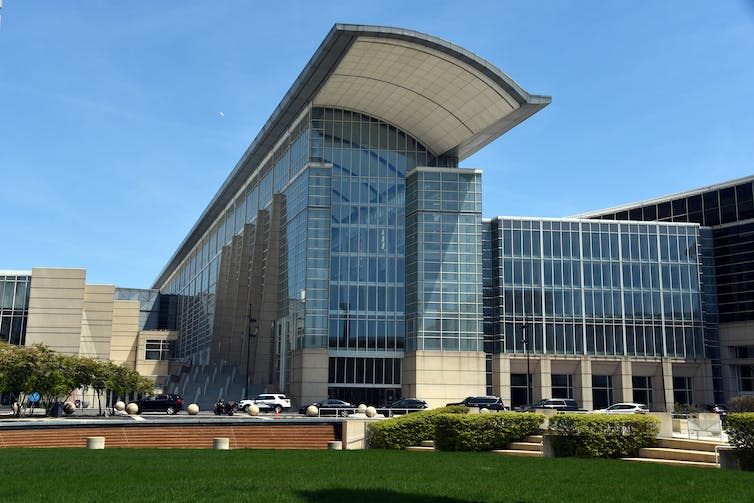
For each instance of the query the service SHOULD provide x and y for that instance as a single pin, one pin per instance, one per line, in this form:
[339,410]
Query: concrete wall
[123,345]
[97,321]
[308,375]
[56,306]
[440,377]
[156,370]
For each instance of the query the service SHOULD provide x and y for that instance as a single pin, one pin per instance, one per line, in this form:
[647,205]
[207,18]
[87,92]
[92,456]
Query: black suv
[483,402]
[169,404]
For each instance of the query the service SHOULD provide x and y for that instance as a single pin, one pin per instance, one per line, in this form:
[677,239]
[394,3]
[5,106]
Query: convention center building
[346,256]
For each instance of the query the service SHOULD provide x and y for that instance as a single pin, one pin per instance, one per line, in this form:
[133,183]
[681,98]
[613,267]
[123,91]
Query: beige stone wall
[308,375]
[157,370]
[97,321]
[440,377]
[125,331]
[56,306]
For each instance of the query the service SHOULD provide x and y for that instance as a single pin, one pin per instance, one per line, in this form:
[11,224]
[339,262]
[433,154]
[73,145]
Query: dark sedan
[330,407]
[408,403]
[482,402]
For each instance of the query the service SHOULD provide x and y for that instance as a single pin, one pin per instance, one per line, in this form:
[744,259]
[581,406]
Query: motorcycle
[222,407]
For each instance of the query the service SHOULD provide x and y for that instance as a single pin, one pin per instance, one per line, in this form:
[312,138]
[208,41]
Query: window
[562,386]
[746,378]
[602,391]
[159,349]
[642,389]
[519,395]
[682,390]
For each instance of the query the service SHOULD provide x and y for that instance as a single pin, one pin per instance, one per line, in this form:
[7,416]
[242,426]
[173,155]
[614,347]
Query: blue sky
[120,120]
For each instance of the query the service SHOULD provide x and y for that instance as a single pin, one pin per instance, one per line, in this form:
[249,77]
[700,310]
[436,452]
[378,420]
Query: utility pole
[249,334]
[525,340]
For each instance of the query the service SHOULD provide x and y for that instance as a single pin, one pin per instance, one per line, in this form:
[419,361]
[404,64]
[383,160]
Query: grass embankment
[388,476]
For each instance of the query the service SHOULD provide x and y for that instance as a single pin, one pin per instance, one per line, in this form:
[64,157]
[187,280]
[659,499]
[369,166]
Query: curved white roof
[446,97]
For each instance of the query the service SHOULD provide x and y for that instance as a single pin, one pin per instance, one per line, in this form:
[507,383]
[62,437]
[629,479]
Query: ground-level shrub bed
[484,432]
[82,475]
[401,432]
[602,436]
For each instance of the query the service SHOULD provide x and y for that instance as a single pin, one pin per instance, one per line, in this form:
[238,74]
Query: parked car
[267,402]
[409,404]
[624,408]
[170,404]
[330,407]
[483,402]
[561,404]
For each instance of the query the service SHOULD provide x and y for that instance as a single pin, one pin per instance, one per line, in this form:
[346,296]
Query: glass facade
[14,306]
[342,251]
[444,269]
[728,209]
[594,288]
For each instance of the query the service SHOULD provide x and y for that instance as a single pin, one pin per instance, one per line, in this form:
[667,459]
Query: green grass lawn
[136,475]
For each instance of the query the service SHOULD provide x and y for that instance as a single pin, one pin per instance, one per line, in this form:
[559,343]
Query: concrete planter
[730,459]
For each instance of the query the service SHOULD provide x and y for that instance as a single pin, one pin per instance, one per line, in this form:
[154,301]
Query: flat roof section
[662,199]
[449,99]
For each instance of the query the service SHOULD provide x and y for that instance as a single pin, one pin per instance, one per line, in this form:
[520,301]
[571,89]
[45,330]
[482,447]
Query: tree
[56,376]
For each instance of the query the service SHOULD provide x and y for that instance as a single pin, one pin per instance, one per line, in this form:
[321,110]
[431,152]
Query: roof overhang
[446,97]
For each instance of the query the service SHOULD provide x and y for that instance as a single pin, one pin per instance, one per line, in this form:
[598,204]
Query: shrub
[602,436]
[484,432]
[742,403]
[403,431]
[740,429]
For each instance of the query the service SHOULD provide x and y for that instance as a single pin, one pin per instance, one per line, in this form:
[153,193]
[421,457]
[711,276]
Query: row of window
[721,206]
[652,246]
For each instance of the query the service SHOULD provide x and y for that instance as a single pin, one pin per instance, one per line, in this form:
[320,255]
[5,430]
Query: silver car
[624,408]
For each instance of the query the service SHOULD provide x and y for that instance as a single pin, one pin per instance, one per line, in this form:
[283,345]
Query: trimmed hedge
[484,432]
[602,436]
[740,429]
[403,431]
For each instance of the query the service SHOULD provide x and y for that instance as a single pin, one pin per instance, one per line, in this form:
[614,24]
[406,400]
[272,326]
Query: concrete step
[682,443]
[525,446]
[518,453]
[427,443]
[677,454]
[418,448]
[673,462]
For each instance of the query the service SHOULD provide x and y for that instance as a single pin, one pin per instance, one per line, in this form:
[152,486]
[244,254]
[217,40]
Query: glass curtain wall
[14,307]
[367,270]
[14,312]
[194,282]
[444,249]
[594,288]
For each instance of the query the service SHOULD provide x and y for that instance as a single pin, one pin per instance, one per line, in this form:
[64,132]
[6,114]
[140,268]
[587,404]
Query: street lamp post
[249,334]
[525,341]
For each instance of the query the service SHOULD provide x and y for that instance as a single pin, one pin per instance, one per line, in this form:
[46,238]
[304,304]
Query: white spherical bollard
[69,408]
[192,409]
[484,410]
[132,408]
[312,411]
[370,411]
[361,408]
[120,406]
[253,409]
